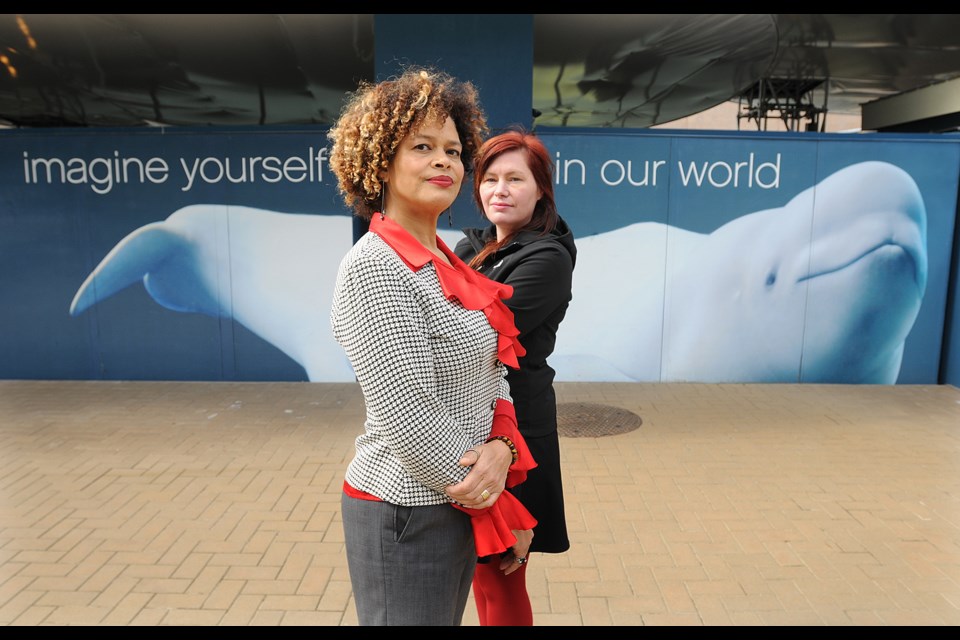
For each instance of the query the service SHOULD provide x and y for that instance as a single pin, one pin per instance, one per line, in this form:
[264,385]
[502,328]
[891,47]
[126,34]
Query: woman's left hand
[521,549]
[488,475]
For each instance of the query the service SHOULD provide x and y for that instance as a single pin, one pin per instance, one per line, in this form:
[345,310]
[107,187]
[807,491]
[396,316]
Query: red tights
[502,600]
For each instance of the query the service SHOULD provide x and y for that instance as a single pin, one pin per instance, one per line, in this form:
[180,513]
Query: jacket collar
[414,254]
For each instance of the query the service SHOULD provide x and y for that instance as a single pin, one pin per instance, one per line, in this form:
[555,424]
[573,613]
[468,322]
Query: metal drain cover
[586,420]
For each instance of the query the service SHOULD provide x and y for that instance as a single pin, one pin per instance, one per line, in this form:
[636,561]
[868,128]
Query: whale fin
[131,260]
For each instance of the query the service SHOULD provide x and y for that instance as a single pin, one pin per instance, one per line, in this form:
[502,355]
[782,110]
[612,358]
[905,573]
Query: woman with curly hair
[429,340]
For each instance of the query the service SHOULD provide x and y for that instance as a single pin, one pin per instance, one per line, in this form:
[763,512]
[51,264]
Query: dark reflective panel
[596,70]
[180,69]
[638,70]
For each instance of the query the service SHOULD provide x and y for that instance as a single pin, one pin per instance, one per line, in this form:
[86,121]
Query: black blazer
[540,270]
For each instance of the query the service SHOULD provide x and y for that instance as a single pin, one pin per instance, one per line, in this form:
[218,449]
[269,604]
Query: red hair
[545,216]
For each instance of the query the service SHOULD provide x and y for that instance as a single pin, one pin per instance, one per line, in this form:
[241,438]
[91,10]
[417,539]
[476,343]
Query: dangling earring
[383,188]
[449,218]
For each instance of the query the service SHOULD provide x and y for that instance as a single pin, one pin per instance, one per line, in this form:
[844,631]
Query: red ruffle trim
[493,527]
[475,291]
[505,424]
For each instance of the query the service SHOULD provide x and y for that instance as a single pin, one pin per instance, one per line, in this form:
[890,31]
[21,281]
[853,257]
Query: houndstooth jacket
[429,367]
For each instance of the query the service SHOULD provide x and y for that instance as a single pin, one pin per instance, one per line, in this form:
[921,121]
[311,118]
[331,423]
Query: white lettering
[191,174]
[721,174]
[102,174]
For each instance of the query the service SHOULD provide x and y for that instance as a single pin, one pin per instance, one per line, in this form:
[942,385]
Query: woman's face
[426,174]
[508,192]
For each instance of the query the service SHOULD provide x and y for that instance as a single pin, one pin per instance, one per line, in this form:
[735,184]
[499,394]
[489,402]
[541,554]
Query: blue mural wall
[756,257]
[68,197]
[210,254]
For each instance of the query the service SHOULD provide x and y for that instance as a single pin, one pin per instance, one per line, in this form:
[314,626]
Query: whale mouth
[919,274]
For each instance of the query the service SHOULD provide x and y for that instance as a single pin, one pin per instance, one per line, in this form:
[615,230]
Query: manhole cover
[586,420]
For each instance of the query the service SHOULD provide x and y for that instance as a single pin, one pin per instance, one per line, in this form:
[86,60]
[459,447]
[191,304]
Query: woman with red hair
[530,247]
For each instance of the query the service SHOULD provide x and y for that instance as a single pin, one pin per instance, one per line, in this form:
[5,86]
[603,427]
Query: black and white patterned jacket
[428,366]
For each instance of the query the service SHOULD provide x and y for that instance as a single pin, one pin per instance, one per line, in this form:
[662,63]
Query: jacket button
[493,405]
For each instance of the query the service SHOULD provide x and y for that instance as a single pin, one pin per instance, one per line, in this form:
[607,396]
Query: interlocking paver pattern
[202,504]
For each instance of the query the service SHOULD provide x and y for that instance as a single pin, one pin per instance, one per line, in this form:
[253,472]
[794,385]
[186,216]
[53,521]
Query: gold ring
[484,494]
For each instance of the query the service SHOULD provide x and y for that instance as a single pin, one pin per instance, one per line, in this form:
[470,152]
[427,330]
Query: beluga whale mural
[825,288]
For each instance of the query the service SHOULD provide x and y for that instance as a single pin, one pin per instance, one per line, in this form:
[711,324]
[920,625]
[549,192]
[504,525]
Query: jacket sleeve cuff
[505,424]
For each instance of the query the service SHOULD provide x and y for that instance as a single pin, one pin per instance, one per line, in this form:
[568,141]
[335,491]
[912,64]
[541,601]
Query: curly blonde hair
[378,116]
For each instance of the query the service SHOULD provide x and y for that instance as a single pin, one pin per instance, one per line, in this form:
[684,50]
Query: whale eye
[771,278]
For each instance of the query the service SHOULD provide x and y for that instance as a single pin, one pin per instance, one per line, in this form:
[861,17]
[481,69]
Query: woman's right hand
[489,464]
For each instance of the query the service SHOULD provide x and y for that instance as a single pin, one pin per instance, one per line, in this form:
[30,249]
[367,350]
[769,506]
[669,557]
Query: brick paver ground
[184,503]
